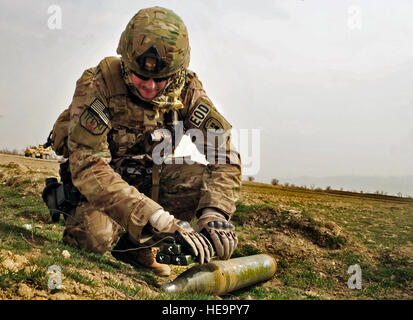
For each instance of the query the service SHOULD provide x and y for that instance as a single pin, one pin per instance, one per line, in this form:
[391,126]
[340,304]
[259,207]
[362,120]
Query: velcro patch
[95,118]
[199,115]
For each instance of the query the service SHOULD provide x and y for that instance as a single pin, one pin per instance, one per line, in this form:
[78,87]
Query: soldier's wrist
[161,220]
[212,212]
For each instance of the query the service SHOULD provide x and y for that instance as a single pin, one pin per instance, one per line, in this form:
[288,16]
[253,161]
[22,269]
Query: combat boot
[139,258]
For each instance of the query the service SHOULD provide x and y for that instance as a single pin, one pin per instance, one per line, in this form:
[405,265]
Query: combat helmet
[155,43]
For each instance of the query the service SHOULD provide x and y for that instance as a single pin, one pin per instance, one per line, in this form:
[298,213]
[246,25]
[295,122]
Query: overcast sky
[327,82]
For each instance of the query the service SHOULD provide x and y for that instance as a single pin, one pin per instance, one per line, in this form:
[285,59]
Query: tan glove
[219,231]
[196,243]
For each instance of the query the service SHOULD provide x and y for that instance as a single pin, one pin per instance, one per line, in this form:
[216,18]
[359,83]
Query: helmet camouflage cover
[155,43]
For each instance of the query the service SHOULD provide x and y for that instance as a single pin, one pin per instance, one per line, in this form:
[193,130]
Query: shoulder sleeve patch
[95,118]
[199,115]
[213,124]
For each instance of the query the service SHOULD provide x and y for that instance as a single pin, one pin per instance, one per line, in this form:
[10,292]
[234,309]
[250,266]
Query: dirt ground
[314,236]
[30,163]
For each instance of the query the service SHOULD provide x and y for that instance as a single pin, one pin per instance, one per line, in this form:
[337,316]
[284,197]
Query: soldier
[110,134]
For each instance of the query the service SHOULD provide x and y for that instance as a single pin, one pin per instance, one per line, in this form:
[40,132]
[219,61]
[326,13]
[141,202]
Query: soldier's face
[148,88]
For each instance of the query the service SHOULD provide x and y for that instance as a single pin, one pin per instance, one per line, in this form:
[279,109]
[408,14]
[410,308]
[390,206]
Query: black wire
[125,250]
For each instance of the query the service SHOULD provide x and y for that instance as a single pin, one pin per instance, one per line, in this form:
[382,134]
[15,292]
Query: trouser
[90,228]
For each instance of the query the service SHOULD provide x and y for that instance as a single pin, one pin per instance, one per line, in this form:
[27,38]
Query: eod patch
[95,118]
[199,115]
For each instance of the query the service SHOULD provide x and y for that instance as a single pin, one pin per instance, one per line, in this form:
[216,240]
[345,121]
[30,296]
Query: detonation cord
[97,240]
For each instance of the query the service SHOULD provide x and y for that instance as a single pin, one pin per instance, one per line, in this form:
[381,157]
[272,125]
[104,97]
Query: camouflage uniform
[109,129]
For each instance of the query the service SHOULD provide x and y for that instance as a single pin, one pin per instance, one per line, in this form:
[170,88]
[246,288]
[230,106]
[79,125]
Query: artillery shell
[223,276]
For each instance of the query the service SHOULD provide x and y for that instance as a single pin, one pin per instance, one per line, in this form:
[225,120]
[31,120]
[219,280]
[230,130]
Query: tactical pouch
[59,134]
[61,197]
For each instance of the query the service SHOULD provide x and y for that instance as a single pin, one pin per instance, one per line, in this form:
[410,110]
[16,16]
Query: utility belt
[139,171]
[130,169]
[63,197]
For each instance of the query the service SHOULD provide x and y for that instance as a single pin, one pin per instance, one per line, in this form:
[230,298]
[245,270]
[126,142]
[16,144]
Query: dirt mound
[325,234]
[15,175]
[12,262]
[13,165]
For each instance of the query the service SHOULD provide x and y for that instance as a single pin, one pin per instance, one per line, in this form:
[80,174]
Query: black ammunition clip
[173,253]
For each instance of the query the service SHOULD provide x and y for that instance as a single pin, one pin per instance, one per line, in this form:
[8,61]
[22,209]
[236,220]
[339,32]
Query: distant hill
[371,184]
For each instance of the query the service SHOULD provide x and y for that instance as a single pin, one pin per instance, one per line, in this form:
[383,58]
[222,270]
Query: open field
[314,235]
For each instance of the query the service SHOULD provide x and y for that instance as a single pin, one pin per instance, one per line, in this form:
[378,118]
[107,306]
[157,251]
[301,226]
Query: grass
[376,220]
[348,257]
[243,211]
[389,275]
[80,278]
[245,250]
[34,277]
[131,291]
[379,221]
[18,208]
[267,293]
[301,274]
[378,225]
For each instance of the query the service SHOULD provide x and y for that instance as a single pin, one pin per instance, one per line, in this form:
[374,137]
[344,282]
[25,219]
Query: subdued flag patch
[95,118]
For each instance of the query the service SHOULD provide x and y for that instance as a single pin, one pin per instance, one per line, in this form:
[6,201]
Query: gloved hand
[219,231]
[198,244]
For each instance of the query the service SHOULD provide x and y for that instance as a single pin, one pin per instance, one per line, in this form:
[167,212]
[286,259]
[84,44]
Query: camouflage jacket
[108,124]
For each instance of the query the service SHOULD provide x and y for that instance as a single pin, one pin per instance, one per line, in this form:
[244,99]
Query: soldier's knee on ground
[92,230]
[77,237]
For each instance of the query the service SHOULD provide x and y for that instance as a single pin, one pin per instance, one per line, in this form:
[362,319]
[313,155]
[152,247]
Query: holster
[61,197]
